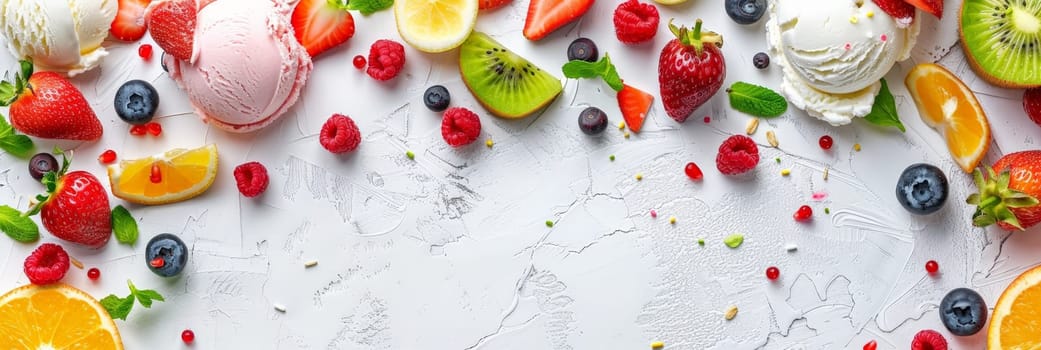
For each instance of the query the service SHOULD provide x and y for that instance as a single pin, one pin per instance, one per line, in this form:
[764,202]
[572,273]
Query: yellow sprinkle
[311,263]
[826,170]
[626,134]
[672,220]
[856,147]
[489,143]
[639,177]
[730,313]
[870,14]
[621,125]
[76,263]
[786,172]
[853,19]
[657,345]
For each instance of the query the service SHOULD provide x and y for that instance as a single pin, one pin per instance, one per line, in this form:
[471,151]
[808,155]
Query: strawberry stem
[995,200]
[695,38]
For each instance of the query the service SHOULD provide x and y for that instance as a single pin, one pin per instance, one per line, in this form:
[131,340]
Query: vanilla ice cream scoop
[59,35]
[834,53]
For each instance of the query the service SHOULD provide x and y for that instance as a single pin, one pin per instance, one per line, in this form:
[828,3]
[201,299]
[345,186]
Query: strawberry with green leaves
[1008,194]
[75,207]
[691,70]
[46,105]
[633,103]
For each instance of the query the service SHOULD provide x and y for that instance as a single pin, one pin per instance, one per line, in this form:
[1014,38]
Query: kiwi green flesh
[1003,38]
[506,84]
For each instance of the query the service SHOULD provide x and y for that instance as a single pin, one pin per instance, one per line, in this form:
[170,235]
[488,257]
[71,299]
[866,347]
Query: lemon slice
[174,176]
[670,2]
[435,25]
[55,317]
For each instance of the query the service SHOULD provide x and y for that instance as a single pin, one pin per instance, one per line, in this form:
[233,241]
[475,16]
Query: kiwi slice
[506,84]
[1002,39]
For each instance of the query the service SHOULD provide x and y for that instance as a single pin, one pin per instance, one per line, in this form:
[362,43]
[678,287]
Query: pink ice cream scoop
[246,67]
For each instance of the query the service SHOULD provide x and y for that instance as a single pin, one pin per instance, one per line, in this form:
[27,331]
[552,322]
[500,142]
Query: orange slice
[55,317]
[1015,322]
[947,105]
[174,176]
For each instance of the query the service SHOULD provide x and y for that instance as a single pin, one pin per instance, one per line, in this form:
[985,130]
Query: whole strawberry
[75,207]
[46,105]
[1032,104]
[690,71]
[1008,194]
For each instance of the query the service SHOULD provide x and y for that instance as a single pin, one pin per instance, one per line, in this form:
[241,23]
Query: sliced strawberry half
[634,104]
[491,4]
[172,26]
[129,24]
[545,16]
[320,25]
[934,7]
[900,10]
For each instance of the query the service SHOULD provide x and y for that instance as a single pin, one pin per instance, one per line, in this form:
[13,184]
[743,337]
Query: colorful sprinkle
[410,155]
[639,177]
[280,308]
[870,14]
[621,125]
[708,119]
[549,223]
[853,19]
[819,196]
[701,241]
[791,247]
[856,147]
[884,37]
[932,266]
[735,240]
[657,345]
[786,172]
[626,134]
[827,210]
[612,157]
[672,220]
[311,263]
[489,143]
[730,313]
[654,213]
[772,273]
[848,46]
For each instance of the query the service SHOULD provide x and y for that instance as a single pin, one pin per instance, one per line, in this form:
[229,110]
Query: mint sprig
[602,69]
[11,142]
[17,226]
[124,225]
[883,112]
[756,100]
[119,308]
[366,7]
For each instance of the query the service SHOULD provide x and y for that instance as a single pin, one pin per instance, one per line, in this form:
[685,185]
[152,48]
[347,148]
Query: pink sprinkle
[848,46]
[819,196]
[654,213]
[708,119]
[884,37]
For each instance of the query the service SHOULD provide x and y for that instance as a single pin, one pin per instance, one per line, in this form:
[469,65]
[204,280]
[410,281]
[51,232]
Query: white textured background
[451,251]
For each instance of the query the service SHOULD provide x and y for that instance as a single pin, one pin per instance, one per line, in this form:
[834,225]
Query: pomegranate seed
[826,142]
[772,273]
[871,345]
[188,336]
[93,273]
[157,262]
[154,128]
[931,266]
[157,174]
[804,213]
[708,119]
[359,61]
[693,171]
[145,51]
[107,157]
[138,130]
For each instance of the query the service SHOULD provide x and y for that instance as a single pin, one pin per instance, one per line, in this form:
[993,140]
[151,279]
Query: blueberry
[745,11]
[583,49]
[166,255]
[761,60]
[592,121]
[41,164]
[922,189]
[963,312]
[136,102]
[437,98]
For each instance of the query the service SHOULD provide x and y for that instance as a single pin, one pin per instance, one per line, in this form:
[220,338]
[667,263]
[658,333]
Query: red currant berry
[804,213]
[107,157]
[708,119]
[826,142]
[871,345]
[772,273]
[693,171]
[188,336]
[145,51]
[931,266]
[359,61]
[93,273]
[138,130]
[154,128]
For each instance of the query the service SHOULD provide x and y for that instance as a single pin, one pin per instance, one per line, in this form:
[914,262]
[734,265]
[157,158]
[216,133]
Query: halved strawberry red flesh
[129,24]
[172,26]
[491,4]
[934,7]
[634,104]
[321,25]
[545,16]
[900,10]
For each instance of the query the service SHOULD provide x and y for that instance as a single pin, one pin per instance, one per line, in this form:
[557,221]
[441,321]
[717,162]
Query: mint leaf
[18,227]
[124,225]
[366,7]
[602,69]
[734,240]
[883,112]
[756,100]
[11,142]
[149,295]
[118,308]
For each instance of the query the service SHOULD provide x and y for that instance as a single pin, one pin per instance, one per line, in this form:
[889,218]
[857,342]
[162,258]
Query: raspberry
[47,264]
[340,134]
[460,126]
[251,179]
[635,22]
[737,155]
[386,58]
[928,340]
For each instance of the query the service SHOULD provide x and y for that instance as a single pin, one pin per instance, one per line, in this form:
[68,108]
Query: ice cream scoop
[833,54]
[246,68]
[59,35]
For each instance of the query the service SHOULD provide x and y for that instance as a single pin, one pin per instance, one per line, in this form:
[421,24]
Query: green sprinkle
[612,157]
[549,223]
[827,211]
[701,241]
[778,159]
[410,155]
[734,240]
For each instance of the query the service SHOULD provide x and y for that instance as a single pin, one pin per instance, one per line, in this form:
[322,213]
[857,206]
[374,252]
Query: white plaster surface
[451,251]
